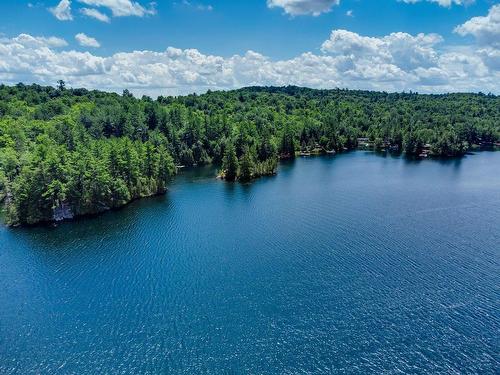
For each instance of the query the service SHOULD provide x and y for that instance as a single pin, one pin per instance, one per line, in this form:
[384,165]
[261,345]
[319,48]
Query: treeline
[66,152]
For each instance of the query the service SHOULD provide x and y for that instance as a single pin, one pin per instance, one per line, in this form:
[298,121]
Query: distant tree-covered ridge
[68,152]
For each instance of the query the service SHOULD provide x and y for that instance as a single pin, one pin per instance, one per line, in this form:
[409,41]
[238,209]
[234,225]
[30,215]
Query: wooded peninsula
[70,152]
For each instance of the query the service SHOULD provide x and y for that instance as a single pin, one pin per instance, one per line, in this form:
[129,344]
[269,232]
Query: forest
[68,152]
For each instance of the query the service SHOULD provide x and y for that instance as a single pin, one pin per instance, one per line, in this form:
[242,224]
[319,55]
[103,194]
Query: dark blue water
[350,264]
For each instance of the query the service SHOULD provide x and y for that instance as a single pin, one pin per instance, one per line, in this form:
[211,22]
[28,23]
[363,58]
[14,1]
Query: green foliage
[92,151]
[247,167]
[287,148]
[230,163]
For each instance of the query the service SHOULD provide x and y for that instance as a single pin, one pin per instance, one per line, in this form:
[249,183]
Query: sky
[175,47]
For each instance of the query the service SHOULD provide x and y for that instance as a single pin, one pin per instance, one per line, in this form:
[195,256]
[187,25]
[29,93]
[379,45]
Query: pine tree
[230,162]
[247,165]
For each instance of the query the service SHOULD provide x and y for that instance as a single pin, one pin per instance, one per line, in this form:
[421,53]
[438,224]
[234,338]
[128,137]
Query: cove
[357,263]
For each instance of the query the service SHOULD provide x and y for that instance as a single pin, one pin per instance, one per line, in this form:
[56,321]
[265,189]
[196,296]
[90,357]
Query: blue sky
[279,32]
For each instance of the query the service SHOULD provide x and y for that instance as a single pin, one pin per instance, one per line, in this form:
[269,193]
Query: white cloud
[303,7]
[443,3]
[486,29]
[490,57]
[87,41]
[394,62]
[401,49]
[94,13]
[62,11]
[317,7]
[122,8]
[29,41]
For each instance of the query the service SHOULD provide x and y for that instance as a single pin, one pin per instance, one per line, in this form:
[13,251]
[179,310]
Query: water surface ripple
[350,264]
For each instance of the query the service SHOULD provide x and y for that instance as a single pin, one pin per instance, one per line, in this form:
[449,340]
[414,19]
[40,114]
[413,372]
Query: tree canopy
[71,152]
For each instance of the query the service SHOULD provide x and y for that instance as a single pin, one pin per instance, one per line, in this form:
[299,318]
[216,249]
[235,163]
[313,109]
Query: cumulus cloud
[122,8]
[303,7]
[400,49]
[490,57]
[62,11]
[485,29]
[94,13]
[443,3]
[394,62]
[87,41]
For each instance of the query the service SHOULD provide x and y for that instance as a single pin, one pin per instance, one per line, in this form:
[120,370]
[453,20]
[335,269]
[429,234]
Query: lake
[356,263]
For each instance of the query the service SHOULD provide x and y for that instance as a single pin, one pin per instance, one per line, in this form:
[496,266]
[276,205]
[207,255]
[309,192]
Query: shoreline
[55,223]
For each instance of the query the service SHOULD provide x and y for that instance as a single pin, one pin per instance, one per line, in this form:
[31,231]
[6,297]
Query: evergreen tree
[92,151]
[247,165]
[230,162]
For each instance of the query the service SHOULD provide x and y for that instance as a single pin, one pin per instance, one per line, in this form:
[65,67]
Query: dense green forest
[67,152]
